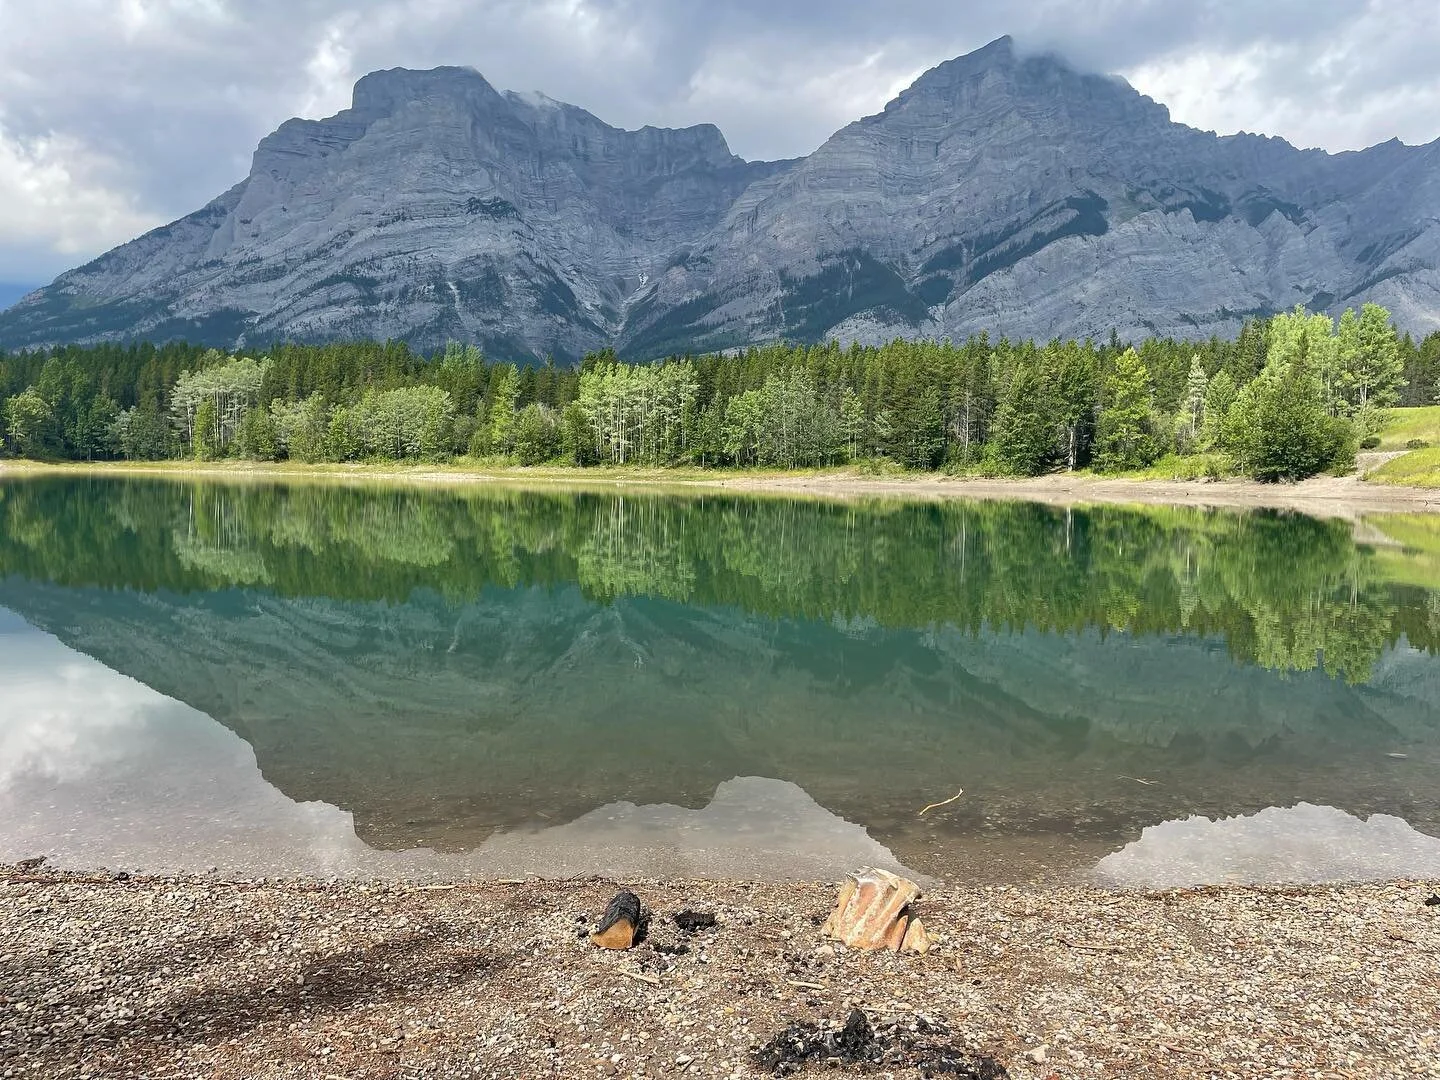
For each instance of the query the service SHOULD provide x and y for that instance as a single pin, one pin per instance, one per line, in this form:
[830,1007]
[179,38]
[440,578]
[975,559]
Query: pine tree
[1281,426]
[1125,439]
[1023,436]
[1220,395]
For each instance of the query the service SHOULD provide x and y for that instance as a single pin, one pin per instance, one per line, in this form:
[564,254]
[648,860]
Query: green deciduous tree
[205,430]
[302,428]
[141,433]
[257,438]
[1280,426]
[409,422]
[577,437]
[29,423]
[1371,368]
[537,434]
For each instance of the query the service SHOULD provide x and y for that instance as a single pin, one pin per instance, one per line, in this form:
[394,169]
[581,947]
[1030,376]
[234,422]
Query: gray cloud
[120,114]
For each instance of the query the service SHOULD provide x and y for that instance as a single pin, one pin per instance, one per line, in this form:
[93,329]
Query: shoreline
[1322,496]
[120,976]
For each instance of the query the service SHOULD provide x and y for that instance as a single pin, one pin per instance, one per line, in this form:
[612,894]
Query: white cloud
[820,100]
[330,73]
[55,208]
[1312,104]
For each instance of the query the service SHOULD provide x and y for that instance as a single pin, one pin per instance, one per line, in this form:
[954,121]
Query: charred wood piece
[619,924]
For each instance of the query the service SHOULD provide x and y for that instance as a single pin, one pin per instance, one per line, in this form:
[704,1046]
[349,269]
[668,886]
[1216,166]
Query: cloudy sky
[118,115]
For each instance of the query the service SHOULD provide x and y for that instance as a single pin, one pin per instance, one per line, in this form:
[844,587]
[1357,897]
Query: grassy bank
[1402,425]
[1417,468]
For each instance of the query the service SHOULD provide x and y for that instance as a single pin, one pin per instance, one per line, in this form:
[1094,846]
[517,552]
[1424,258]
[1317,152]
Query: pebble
[1227,977]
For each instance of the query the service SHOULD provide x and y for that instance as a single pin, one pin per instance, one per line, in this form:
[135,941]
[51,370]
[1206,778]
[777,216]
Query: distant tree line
[1291,396]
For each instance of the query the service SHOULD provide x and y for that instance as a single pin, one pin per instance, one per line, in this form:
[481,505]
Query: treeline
[1290,396]
[1284,591]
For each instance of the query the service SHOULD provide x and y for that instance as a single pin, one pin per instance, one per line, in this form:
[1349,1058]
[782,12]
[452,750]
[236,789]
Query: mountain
[1001,192]
[10,293]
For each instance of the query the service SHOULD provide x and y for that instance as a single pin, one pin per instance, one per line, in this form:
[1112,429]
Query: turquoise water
[338,680]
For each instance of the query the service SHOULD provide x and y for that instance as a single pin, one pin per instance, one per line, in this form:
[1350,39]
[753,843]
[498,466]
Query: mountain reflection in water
[98,770]
[573,683]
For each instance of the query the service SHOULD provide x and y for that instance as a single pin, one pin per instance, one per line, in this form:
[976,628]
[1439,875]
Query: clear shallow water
[330,680]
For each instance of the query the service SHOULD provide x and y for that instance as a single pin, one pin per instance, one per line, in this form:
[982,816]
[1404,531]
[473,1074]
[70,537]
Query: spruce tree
[1126,439]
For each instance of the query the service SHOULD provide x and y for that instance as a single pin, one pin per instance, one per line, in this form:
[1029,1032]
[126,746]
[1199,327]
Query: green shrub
[1370,442]
[536,434]
[1417,444]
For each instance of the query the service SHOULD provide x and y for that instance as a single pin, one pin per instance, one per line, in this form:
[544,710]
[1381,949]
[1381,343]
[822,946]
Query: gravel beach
[111,976]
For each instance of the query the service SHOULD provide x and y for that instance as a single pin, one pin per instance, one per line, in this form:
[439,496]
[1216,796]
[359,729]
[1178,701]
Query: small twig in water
[1141,780]
[947,802]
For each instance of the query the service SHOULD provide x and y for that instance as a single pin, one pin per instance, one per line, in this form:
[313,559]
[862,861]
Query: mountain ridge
[1000,192]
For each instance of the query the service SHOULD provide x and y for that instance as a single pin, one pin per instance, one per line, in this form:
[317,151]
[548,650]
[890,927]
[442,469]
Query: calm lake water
[383,682]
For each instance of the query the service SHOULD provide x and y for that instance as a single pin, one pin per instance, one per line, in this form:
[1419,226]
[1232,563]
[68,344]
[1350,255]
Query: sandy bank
[285,978]
[1324,496]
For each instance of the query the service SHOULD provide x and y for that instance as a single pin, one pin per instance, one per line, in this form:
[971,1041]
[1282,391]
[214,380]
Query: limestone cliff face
[1018,196]
[435,208]
[1000,192]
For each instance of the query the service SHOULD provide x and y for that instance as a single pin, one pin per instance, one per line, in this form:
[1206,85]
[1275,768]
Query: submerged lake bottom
[326,681]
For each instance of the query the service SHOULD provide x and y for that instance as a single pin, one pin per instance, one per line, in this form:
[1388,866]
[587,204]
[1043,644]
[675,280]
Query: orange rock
[873,912]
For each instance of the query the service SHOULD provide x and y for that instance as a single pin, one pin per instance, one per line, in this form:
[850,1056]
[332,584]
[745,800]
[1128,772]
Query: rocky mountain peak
[1001,80]
[382,91]
[1003,191]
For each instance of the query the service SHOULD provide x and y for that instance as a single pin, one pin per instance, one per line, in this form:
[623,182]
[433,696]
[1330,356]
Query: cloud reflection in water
[1302,843]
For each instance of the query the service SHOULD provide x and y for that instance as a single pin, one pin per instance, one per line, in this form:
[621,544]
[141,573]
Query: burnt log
[619,924]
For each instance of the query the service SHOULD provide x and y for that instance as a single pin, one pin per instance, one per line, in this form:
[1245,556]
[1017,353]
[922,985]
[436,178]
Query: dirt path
[1322,496]
[229,979]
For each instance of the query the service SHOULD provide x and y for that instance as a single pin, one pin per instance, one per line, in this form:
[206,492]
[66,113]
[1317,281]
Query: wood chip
[806,985]
[640,976]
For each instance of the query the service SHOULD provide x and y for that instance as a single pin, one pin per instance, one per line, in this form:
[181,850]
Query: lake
[334,680]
